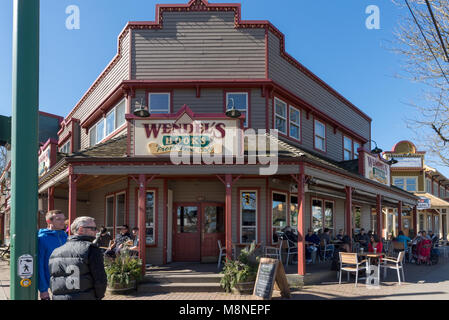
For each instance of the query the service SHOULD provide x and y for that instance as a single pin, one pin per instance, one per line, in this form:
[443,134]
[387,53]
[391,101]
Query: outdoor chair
[394,263]
[221,254]
[274,252]
[324,249]
[395,248]
[350,263]
[292,249]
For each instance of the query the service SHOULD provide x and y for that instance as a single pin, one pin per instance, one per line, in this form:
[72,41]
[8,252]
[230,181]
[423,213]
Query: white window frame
[356,153]
[108,227]
[276,115]
[116,126]
[241,215]
[246,110]
[351,151]
[67,146]
[159,111]
[436,190]
[316,135]
[116,208]
[428,186]
[287,202]
[154,217]
[405,182]
[290,122]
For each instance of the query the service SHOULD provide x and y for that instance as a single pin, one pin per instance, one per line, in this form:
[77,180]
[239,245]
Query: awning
[435,202]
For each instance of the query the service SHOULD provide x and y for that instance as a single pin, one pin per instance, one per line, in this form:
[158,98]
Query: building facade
[412,174]
[187,68]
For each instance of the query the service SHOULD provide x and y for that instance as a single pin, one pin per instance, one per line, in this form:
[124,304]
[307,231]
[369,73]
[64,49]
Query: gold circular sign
[25,283]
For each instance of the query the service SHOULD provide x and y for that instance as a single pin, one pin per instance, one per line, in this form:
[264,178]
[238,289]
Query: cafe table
[372,255]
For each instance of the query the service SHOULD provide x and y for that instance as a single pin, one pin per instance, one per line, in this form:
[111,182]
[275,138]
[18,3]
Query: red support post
[301,225]
[228,208]
[51,199]
[72,197]
[141,219]
[399,217]
[166,213]
[379,215]
[348,209]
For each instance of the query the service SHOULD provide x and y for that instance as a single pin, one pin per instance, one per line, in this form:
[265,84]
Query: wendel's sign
[376,169]
[184,134]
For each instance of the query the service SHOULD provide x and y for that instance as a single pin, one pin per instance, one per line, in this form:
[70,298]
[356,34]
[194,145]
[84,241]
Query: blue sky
[328,36]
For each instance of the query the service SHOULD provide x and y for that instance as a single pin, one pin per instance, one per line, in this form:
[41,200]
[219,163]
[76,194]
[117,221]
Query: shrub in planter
[241,271]
[123,272]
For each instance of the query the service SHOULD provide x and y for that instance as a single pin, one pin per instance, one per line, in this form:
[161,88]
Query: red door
[196,231]
[187,232]
[212,230]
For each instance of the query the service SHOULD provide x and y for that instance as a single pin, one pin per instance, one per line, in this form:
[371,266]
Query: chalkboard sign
[270,272]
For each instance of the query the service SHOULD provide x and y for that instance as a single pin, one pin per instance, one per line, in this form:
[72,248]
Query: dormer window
[115,118]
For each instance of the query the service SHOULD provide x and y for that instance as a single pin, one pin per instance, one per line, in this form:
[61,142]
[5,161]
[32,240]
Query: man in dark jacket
[77,268]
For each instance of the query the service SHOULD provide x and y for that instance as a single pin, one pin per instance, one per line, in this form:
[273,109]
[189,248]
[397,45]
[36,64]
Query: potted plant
[239,276]
[123,273]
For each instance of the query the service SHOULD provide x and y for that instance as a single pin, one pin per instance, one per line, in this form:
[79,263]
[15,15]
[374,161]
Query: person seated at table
[103,238]
[340,235]
[363,239]
[433,237]
[418,238]
[404,239]
[312,242]
[375,244]
[134,250]
[122,238]
[327,238]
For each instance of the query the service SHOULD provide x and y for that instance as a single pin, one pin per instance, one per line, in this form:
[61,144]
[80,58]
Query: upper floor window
[240,102]
[65,148]
[428,186]
[106,126]
[347,148]
[159,102]
[280,113]
[295,123]
[435,189]
[320,135]
[356,147]
[408,184]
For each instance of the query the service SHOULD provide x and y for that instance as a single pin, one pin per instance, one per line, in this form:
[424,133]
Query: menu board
[270,272]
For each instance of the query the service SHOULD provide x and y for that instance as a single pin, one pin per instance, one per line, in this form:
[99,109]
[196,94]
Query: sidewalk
[4,280]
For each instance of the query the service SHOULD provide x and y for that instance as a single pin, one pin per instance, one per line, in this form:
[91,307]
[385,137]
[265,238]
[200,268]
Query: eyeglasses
[91,228]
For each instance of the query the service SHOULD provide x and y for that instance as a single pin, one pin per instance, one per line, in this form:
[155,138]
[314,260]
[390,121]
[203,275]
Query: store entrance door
[196,229]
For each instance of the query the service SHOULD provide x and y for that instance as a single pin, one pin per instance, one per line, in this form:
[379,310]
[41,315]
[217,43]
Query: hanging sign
[423,203]
[376,169]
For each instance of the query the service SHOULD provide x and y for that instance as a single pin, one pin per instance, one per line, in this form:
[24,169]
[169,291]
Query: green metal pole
[24,166]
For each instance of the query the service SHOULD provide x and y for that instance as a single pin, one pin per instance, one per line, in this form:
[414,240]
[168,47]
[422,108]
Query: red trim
[325,133]
[156,214]
[249,189]
[225,100]
[166,213]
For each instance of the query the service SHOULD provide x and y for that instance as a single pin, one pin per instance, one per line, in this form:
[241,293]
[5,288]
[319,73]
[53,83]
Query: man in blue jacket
[48,240]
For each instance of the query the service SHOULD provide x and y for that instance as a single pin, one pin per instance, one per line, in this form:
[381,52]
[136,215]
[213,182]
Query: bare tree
[426,62]
[3,158]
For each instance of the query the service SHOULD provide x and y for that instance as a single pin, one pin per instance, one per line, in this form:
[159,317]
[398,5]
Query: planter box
[244,288]
[123,288]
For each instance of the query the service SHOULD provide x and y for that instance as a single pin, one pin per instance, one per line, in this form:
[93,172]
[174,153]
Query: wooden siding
[115,76]
[198,45]
[291,78]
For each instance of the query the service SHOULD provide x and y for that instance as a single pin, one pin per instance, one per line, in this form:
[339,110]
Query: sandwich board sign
[271,274]
[25,269]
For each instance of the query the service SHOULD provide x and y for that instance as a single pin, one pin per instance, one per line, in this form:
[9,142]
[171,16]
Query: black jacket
[77,270]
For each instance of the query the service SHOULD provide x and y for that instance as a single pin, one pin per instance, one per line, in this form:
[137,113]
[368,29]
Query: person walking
[77,268]
[48,240]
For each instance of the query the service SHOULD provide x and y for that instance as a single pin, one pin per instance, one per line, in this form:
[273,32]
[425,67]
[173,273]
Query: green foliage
[244,269]
[122,270]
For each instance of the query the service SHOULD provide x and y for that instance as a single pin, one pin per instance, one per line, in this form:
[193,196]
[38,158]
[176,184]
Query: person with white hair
[77,268]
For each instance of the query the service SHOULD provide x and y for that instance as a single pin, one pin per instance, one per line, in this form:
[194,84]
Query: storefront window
[280,116]
[317,215]
[110,214]
[356,219]
[120,210]
[240,100]
[150,217]
[279,213]
[421,222]
[429,223]
[437,225]
[294,212]
[248,216]
[159,102]
[373,223]
[329,215]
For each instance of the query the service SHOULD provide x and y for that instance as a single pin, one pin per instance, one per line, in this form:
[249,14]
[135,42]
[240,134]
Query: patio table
[372,255]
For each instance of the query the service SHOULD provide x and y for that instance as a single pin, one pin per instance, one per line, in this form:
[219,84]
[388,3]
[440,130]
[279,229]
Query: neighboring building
[192,64]
[49,125]
[412,174]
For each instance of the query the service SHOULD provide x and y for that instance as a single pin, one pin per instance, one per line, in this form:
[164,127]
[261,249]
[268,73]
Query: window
[280,111]
[320,135]
[150,217]
[294,212]
[421,222]
[120,210]
[356,147]
[356,219]
[159,102]
[441,192]
[408,184]
[240,100]
[106,126]
[65,148]
[278,213]
[347,148]
[373,223]
[110,215]
[248,216]
[115,212]
[428,186]
[435,189]
[437,225]
[295,123]
[329,215]
[429,223]
[322,219]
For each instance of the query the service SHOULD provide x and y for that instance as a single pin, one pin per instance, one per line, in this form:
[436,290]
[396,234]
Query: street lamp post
[24,166]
